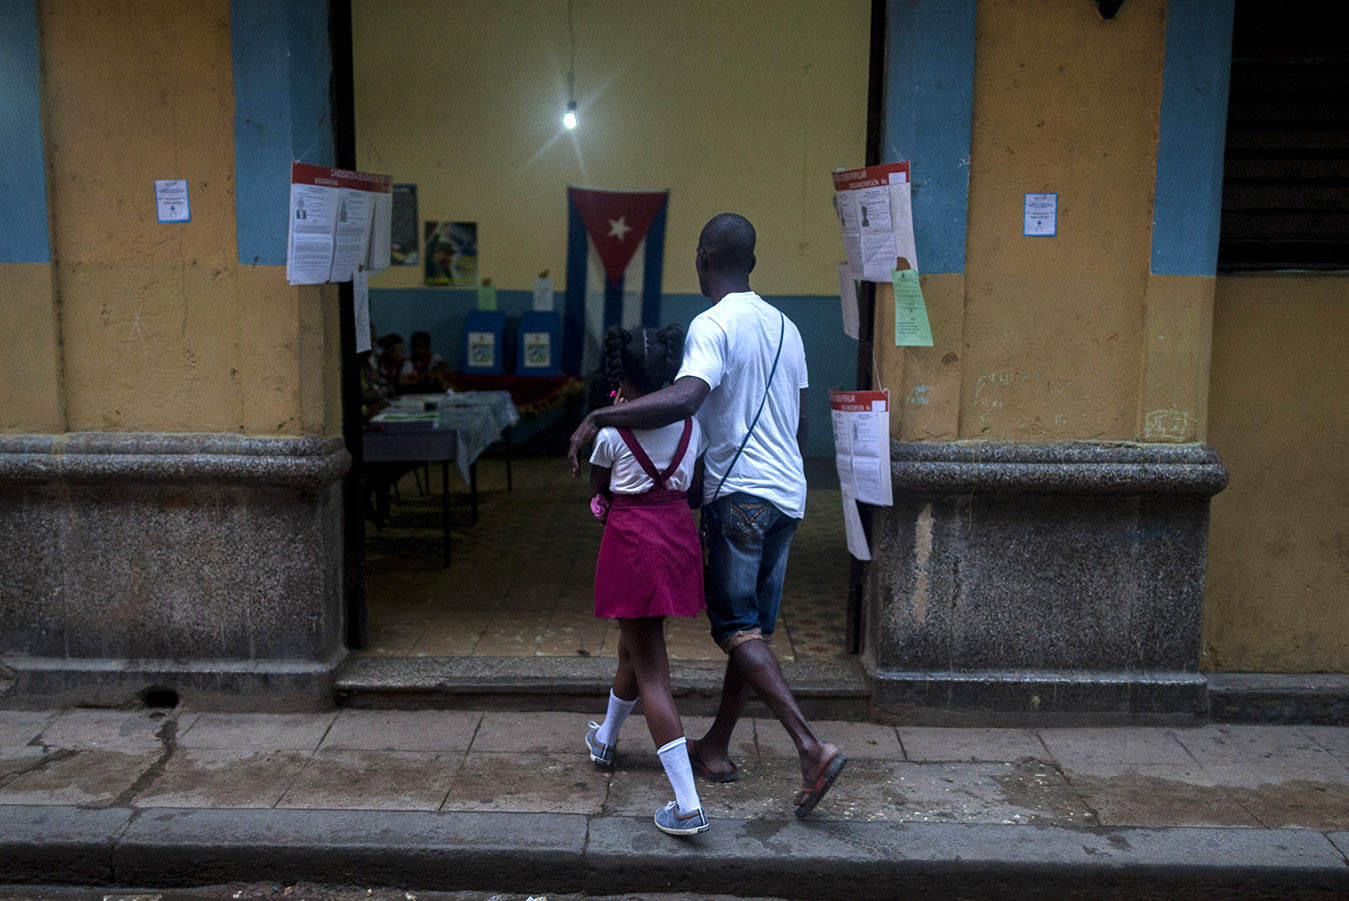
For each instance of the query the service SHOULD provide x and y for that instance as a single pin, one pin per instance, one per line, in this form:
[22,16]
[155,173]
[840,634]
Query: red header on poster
[872,176]
[323,176]
[858,401]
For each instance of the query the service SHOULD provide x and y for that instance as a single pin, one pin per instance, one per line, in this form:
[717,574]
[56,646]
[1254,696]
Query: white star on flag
[619,228]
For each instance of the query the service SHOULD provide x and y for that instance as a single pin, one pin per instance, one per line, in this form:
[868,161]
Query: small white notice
[1042,215]
[543,294]
[171,200]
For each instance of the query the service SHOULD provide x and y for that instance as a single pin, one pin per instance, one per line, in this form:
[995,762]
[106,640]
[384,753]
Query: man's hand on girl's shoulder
[584,434]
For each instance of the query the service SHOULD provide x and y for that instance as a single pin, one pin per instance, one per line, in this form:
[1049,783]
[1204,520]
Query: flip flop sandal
[701,768]
[814,793]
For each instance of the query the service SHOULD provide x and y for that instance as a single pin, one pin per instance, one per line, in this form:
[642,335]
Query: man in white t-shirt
[744,377]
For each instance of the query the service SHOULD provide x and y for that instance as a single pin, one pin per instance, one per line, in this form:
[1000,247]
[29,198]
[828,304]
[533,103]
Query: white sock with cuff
[675,758]
[618,711]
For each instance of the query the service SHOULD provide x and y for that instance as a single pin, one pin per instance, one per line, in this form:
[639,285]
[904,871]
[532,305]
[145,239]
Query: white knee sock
[675,758]
[613,719]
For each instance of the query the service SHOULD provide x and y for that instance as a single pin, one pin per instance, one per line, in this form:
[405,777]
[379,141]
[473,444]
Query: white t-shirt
[660,445]
[731,346]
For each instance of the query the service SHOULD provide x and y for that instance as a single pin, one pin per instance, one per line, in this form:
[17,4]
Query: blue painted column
[928,116]
[24,237]
[282,113]
[1187,211]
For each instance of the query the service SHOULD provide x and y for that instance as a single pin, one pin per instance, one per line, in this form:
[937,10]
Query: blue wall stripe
[24,237]
[282,113]
[928,117]
[1187,210]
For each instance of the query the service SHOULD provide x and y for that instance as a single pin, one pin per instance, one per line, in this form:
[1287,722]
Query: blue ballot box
[539,344]
[484,341]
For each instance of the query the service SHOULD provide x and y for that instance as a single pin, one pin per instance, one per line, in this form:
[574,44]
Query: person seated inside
[391,358]
[423,372]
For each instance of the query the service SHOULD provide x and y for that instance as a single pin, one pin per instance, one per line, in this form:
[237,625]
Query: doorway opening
[521,579]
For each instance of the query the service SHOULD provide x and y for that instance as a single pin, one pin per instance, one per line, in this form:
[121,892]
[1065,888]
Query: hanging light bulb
[569,117]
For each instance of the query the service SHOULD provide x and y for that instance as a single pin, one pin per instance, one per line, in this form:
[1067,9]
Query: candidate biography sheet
[336,218]
[861,422]
[875,214]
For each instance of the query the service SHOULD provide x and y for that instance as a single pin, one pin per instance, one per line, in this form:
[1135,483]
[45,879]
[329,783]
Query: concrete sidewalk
[446,799]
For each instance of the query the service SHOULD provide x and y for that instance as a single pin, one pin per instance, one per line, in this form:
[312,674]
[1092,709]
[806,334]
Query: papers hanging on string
[862,454]
[875,215]
[847,295]
[339,224]
[862,444]
[912,328]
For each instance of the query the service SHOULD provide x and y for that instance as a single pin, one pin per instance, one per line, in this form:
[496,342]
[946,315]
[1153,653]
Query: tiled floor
[521,580]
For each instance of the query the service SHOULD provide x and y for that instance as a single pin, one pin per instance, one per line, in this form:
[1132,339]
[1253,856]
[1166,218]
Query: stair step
[835,690]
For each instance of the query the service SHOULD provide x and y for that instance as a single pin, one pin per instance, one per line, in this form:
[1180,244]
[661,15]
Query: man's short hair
[728,240]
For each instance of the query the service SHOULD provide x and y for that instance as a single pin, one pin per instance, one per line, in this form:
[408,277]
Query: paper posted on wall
[360,299]
[875,215]
[847,295]
[336,217]
[862,452]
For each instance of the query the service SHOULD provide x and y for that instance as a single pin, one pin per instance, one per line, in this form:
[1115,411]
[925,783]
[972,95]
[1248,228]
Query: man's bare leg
[753,665]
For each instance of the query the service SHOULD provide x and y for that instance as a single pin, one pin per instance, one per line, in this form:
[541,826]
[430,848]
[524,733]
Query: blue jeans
[747,542]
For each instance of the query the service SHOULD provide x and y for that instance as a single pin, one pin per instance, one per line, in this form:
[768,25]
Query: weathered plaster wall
[31,399]
[162,329]
[1063,102]
[1177,335]
[466,99]
[924,382]
[1278,574]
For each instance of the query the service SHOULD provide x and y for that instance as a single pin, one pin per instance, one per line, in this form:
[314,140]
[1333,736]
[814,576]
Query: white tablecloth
[467,422]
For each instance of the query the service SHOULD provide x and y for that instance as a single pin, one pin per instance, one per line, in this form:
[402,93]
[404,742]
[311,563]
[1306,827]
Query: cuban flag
[615,253]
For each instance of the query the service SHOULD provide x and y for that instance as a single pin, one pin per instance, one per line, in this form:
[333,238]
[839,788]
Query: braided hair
[648,358]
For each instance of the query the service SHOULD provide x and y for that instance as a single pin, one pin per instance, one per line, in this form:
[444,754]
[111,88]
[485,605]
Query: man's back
[731,346]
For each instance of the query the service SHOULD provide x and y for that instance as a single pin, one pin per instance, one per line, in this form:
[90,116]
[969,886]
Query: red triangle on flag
[616,222]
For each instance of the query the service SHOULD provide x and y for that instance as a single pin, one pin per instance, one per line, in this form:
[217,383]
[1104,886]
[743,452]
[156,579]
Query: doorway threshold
[826,690]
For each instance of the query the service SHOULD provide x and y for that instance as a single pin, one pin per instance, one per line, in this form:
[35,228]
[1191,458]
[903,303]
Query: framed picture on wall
[452,253]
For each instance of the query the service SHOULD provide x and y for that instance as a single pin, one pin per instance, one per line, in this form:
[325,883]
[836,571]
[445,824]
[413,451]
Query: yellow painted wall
[31,396]
[1052,327]
[742,106]
[1278,573]
[160,329]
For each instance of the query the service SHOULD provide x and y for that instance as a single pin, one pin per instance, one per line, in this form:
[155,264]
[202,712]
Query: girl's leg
[622,697]
[644,642]
[646,645]
[625,679]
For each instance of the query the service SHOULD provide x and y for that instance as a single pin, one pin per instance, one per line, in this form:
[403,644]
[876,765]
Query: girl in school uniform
[650,562]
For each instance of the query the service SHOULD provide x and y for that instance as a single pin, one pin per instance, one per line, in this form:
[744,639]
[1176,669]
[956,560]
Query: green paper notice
[911,325]
[487,297]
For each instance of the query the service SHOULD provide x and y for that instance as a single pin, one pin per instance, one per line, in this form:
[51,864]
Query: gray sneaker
[601,754]
[671,822]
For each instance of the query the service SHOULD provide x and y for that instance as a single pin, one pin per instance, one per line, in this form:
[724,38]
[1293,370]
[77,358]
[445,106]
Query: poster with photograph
[452,253]
[338,219]
[403,227]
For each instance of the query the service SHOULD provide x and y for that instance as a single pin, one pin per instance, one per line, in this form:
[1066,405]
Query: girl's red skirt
[651,562]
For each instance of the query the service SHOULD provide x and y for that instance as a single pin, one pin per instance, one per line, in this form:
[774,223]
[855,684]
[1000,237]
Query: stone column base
[203,566]
[1023,581]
